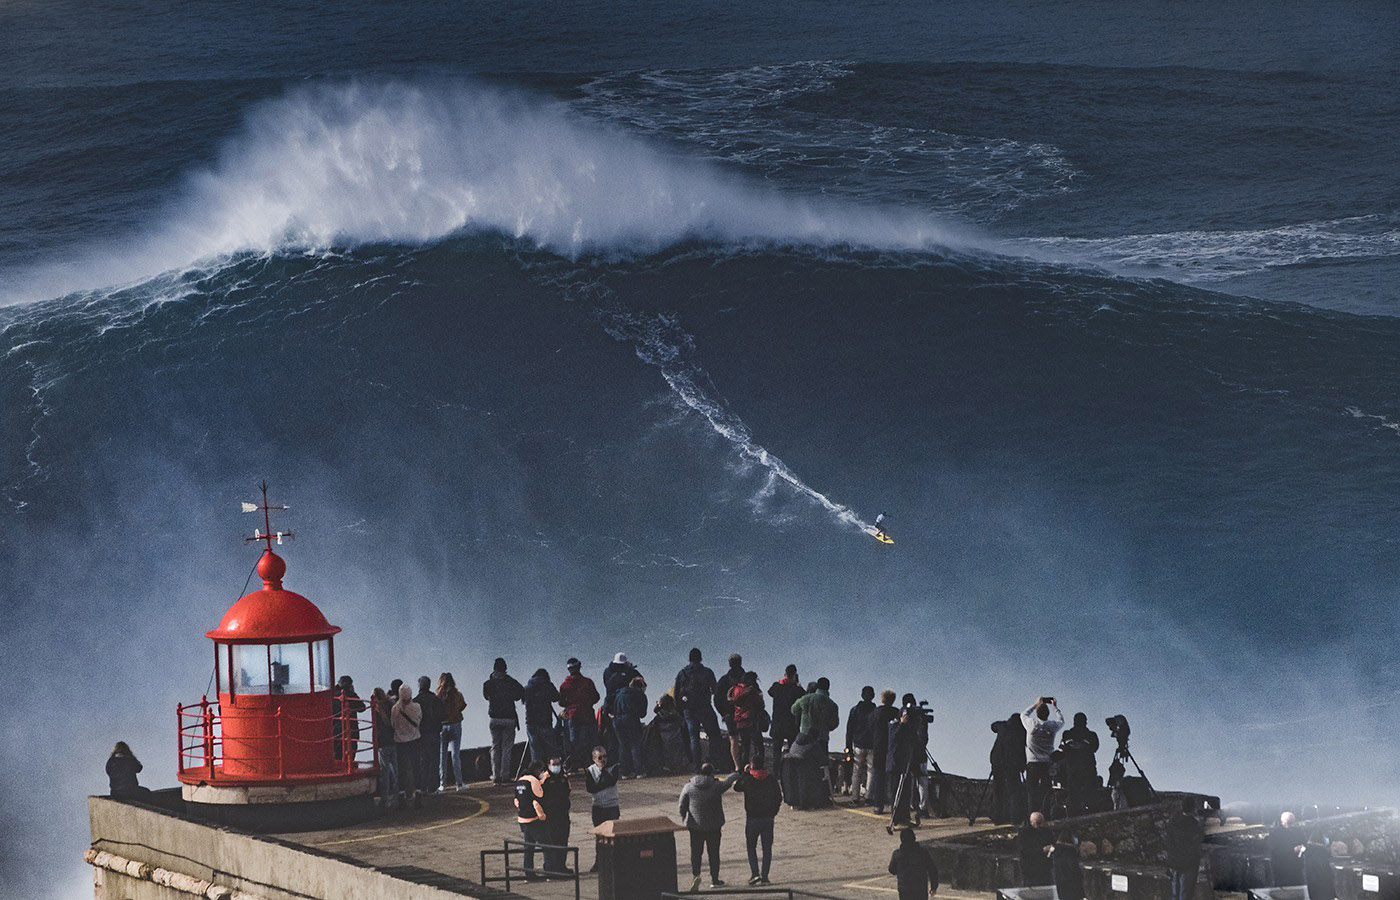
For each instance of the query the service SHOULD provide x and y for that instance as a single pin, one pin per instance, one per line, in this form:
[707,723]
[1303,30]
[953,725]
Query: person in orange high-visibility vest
[529,812]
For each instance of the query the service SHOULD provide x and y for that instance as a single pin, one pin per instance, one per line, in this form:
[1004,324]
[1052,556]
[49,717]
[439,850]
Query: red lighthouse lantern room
[278,749]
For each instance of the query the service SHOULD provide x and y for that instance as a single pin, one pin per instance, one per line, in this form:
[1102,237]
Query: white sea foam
[413,161]
[1212,256]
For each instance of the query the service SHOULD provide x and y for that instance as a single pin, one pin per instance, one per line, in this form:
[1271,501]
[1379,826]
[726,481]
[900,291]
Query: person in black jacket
[695,693]
[859,743]
[1184,838]
[885,715]
[1079,765]
[1033,842]
[1066,874]
[915,872]
[556,811]
[763,798]
[1008,767]
[731,679]
[429,761]
[1286,845]
[122,768]
[540,697]
[783,730]
[501,692]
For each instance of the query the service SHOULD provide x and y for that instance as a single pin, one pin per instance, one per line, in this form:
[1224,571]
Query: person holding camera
[1043,721]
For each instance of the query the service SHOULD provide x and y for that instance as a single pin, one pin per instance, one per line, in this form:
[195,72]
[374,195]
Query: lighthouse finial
[269,535]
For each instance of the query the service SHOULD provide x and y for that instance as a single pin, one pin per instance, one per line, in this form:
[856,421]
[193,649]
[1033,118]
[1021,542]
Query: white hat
[620,658]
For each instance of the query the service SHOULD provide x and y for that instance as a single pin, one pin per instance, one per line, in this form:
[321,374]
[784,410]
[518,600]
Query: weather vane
[267,535]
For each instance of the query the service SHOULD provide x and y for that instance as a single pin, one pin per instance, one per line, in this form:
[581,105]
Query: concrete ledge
[212,794]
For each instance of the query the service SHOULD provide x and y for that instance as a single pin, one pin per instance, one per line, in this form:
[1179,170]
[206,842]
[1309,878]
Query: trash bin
[636,858]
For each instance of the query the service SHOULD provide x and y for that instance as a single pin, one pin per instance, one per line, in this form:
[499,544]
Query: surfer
[880,529]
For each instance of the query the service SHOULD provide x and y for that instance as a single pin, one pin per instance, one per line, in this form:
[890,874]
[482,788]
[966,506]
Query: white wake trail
[659,341]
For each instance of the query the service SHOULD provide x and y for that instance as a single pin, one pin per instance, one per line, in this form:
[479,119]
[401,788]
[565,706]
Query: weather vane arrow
[267,535]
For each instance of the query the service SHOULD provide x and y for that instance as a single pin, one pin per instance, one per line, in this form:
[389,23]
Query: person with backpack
[915,872]
[746,714]
[695,692]
[724,689]
[763,798]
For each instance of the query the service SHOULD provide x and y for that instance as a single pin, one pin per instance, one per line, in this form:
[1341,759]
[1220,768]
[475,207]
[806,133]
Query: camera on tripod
[919,710]
[1118,727]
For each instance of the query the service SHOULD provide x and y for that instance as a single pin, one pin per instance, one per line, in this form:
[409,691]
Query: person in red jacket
[577,695]
[763,798]
[746,701]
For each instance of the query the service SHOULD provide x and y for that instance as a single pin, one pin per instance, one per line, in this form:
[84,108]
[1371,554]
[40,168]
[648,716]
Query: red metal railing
[201,740]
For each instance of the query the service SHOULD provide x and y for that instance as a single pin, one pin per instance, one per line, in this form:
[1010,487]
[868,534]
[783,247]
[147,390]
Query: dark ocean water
[577,329]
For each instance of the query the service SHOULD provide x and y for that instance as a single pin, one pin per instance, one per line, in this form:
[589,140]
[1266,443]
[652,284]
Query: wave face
[412,162]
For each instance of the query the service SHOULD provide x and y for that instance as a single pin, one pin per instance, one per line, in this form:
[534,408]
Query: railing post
[280,767]
[374,732]
[347,742]
[180,736]
[207,720]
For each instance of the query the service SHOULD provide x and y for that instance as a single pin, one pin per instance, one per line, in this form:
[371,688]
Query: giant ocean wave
[413,161]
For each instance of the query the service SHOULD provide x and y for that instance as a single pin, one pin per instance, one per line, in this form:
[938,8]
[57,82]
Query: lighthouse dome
[272,615]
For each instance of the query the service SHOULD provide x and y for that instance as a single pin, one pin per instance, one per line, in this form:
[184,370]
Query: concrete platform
[837,853]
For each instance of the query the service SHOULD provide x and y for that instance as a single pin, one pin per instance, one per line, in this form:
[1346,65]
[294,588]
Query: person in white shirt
[1043,721]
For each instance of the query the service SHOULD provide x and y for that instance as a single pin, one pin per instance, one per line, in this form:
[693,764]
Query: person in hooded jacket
[915,872]
[631,706]
[1185,839]
[859,741]
[501,692]
[702,812]
[122,769]
[406,717]
[724,688]
[540,697]
[785,692]
[763,799]
[695,693]
[430,740]
[881,720]
[1008,758]
[617,675]
[746,714]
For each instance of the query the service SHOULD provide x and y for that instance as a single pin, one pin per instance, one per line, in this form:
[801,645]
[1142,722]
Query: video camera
[1118,727]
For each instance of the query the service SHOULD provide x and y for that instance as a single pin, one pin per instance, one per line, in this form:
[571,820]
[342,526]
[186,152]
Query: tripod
[901,794]
[1122,755]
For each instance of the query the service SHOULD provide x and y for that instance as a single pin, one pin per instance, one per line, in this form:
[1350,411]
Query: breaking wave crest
[412,161]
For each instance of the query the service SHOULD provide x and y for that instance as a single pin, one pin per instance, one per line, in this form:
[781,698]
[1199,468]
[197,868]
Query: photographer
[1080,767]
[1008,759]
[909,746]
[1043,721]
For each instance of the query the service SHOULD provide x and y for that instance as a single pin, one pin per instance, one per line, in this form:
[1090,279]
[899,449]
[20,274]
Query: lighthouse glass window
[250,668]
[291,668]
[321,665]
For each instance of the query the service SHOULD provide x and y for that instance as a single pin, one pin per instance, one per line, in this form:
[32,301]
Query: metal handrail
[506,852]
[200,739]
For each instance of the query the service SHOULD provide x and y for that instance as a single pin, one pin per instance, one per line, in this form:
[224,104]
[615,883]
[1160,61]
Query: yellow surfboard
[880,536]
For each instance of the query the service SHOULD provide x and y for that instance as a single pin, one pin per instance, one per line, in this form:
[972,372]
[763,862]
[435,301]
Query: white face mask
[555,770]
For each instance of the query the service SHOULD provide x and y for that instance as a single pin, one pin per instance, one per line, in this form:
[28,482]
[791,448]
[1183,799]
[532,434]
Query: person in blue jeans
[763,798]
[695,695]
[630,705]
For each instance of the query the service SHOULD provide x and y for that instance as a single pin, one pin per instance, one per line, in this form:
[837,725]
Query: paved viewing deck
[840,852]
